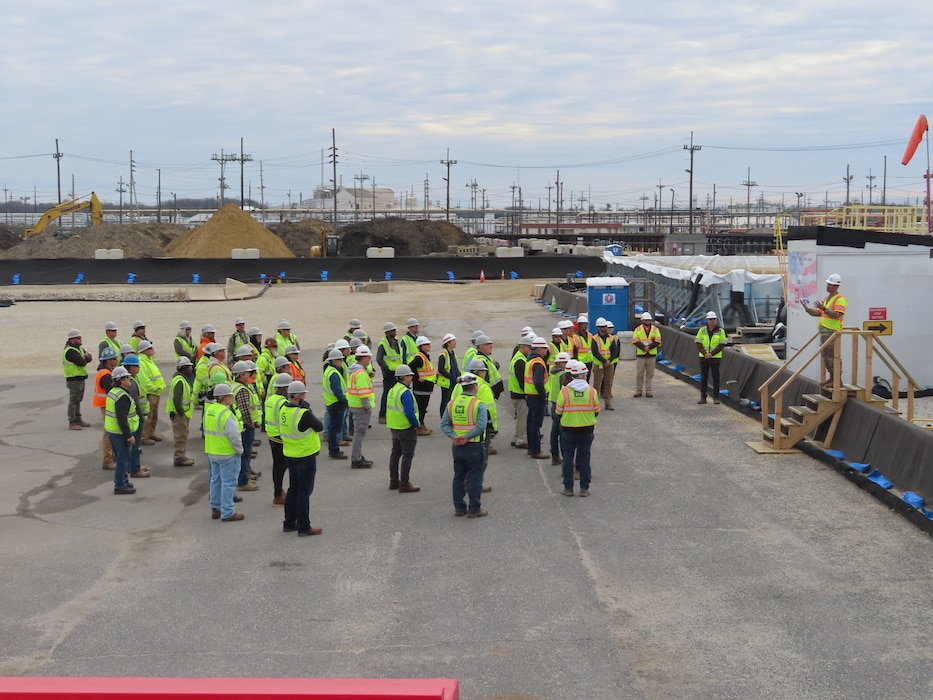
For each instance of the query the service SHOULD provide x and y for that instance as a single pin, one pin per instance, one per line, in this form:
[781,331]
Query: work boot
[423,430]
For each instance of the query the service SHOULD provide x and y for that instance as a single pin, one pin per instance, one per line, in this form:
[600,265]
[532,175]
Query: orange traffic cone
[482,275]
[503,275]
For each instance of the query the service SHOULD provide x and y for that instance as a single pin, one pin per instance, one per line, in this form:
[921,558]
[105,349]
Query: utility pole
[58,174]
[448,162]
[243,158]
[884,183]
[660,206]
[262,193]
[333,159]
[362,180]
[549,188]
[374,199]
[427,195]
[693,149]
[174,207]
[6,205]
[473,187]
[748,197]
[134,204]
[512,210]
[223,159]
[558,194]
[121,190]
[159,196]
[483,195]
[871,184]
[644,210]
[848,180]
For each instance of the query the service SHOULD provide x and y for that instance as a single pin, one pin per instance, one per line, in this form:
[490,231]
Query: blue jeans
[301,473]
[555,431]
[335,424]
[536,406]
[247,436]
[121,454]
[468,475]
[576,444]
[388,381]
[223,470]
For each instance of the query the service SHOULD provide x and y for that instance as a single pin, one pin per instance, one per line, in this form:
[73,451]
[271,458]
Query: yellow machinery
[69,207]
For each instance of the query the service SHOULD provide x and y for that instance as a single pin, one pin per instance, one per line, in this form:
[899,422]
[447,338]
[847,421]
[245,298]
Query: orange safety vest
[100,395]
[530,389]
[427,372]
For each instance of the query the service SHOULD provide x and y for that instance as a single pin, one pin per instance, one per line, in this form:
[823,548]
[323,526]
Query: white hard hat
[562,357]
[342,344]
[283,326]
[647,317]
[539,342]
[335,354]
[119,373]
[711,314]
[388,326]
[355,323]
[292,350]
[207,328]
[138,324]
[582,318]
[600,322]
[280,362]
[239,367]
[526,339]
[74,333]
[403,371]
[411,322]
[359,333]
[184,325]
[239,322]
[144,345]
[363,351]
[422,340]
[565,324]
[126,348]
[447,338]
[354,343]
[254,331]
[217,347]
[297,388]
[528,330]
[110,326]
[578,368]
[476,334]
[182,362]
[482,340]
[243,351]
[609,324]
[834,280]
[251,366]
[222,390]
[556,331]
[282,380]
[467,379]
[477,365]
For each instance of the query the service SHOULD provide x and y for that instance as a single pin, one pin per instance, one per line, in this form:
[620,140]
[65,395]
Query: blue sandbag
[880,479]
[914,500]
[860,467]
[696,377]
[836,453]
[664,362]
[677,368]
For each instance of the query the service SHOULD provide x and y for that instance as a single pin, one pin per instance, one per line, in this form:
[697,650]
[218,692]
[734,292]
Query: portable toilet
[608,297]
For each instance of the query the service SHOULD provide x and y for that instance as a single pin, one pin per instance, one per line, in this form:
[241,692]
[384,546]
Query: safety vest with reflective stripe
[100,396]
[111,425]
[492,371]
[391,356]
[274,403]
[216,441]
[583,344]
[283,342]
[188,344]
[652,336]
[395,413]
[553,382]
[603,348]
[113,344]
[330,397]
[485,395]
[186,408]
[577,409]
[463,413]
[295,443]
[442,381]
[153,377]
[470,354]
[360,387]
[836,303]
[255,406]
[709,341]
[71,369]
[426,372]
[530,389]
[218,373]
[514,386]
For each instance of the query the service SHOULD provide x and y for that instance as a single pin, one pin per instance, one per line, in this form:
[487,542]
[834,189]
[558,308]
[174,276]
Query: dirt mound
[409,238]
[229,228]
[136,241]
[300,236]
[9,238]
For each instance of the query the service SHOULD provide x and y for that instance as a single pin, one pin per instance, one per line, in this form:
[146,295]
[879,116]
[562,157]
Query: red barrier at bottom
[39,688]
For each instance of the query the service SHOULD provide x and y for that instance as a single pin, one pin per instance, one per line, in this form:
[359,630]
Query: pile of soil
[229,228]
[9,238]
[136,241]
[409,238]
[300,236]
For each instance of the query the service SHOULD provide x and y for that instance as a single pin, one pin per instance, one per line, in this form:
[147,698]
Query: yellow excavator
[69,207]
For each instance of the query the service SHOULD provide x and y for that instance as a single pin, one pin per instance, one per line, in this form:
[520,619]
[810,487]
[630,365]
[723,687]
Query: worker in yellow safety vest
[464,421]
[121,423]
[647,339]
[74,364]
[577,406]
[360,400]
[710,341]
[831,311]
[180,407]
[223,447]
[535,387]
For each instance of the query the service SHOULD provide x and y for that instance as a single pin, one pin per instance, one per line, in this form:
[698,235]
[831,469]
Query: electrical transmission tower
[223,159]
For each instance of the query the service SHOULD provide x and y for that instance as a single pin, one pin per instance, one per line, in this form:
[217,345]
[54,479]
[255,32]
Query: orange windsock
[915,139]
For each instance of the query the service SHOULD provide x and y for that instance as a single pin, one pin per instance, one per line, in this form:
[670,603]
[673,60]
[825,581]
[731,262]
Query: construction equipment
[69,207]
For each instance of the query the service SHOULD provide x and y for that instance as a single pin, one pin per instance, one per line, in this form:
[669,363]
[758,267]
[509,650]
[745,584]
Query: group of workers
[253,384]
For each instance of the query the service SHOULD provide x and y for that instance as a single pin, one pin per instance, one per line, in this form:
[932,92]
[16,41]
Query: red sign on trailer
[878,313]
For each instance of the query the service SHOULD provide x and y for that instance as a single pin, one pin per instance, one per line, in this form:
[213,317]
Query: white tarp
[734,270]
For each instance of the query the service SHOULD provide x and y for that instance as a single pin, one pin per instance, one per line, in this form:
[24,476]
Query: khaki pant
[149,427]
[521,420]
[180,436]
[105,447]
[826,334]
[602,381]
[644,372]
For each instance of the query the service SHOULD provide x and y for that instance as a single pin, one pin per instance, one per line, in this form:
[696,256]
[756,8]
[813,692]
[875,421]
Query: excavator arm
[69,207]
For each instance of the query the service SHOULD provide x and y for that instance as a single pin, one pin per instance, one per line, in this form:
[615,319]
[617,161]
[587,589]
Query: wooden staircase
[818,416]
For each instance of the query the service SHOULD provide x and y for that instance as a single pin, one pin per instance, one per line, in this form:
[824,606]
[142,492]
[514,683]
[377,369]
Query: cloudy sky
[787,95]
